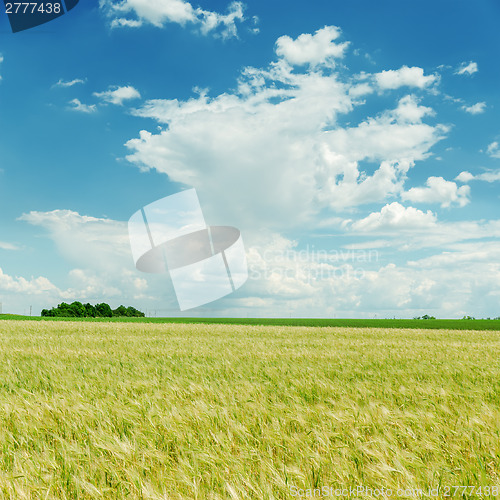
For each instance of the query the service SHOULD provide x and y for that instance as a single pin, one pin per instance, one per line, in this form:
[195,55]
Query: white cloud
[315,282]
[98,250]
[86,241]
[69,83]
[494,150]
[462,253]
[8,246]
[439,190]
[395,216]
[467,68]
[475,109]
[315,49]
[488,176]
[117,95]
[121,22]
[279,151]
[160,12]
[156,12]
[272,152]
[409,110]
[412,229]
[369,245]
[310,282]
[82,108]
[212,21]
[33,286]
[396,138]
[404,77]
[464,177]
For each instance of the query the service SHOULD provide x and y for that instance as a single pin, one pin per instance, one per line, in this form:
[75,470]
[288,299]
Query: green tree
[132,311]
[121,311]
[104,310]
[77,309]
[90,310]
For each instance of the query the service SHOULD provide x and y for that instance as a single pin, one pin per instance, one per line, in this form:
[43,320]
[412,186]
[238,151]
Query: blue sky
[356,145]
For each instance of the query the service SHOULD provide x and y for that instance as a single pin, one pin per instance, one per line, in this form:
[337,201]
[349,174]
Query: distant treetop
[78,310]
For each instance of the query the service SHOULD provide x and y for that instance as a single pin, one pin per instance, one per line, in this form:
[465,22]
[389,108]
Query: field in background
[441,324]
[192,411]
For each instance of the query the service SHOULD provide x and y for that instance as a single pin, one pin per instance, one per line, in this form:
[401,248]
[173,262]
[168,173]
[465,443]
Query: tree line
[78,310]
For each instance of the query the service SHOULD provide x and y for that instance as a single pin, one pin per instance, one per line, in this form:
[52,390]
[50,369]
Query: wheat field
[192,411]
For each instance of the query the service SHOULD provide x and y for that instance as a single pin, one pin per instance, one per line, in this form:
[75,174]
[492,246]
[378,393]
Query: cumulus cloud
[324,282]
[467,68]
[410,111]
[92,242]
[464,177]
[280,151]
[102,268]
[493,150]
[76,105]
[488,176]
[273,151]
[393,135]
[475,109]
[118,95]
[410,229]
[404,77]
[439,190]
[315,49]
[33,286]
[160,12]
[18,293]
[395,216]
[330,283]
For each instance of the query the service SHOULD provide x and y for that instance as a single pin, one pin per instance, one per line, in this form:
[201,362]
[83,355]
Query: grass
[119,410]
[440,324]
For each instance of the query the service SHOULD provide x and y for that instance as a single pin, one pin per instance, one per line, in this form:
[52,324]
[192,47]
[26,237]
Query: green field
[441,324]
[207,411]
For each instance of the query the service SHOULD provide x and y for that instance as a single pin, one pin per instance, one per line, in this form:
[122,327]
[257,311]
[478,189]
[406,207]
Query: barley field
[205,411]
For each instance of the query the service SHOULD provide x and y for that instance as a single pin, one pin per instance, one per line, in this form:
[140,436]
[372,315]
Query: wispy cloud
[76,105]
[117,95]
[8,246]
[467,68]
[488,176]
[494,150]
[475,109]
[180,12]
[69,83]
